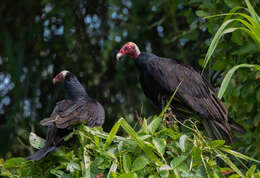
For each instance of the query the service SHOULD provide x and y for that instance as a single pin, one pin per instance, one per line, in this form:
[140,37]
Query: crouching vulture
[159,78]
[78,108]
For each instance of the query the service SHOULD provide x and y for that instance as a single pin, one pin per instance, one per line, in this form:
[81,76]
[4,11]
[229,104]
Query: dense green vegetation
[153,151]
[40,39]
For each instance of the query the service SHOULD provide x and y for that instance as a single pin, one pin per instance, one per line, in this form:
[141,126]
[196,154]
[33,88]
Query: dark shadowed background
[38,39]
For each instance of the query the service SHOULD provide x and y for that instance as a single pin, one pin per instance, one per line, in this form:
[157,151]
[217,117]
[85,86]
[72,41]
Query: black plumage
[159,78]
[76,109]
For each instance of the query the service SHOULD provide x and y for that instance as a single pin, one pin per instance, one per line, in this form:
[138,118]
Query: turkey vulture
[76,109]
[159,78]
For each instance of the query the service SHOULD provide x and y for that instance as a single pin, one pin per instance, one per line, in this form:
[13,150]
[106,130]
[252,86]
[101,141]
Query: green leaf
[160,145]
[233,3]
[36,141]
[229,162]
[252,12]
[139,141]
[215,41]
[99,134]
[139,163]
[128,175]
[201,62]
[111,135]
[182,142]
[251,171]
[69,136]
[228,76]
[239,155]
[234,176]
[201,13]
[98,161]
[127,162]
[14,162]
[237,38]
[155,124]
[112,171]
[177,161]
[216,143]
[221,64]
[72,166]
[144,126]
[87,163]
[196,152]
[57,173]
[169,102]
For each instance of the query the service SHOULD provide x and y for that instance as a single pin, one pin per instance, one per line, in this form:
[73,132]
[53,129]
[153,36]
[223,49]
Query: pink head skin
[60,77]
[130,49]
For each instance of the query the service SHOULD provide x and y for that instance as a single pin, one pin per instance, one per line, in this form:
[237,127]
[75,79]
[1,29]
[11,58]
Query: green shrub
[153,151]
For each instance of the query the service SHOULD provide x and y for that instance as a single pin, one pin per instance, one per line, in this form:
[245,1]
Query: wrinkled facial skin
[128,49]
[58,78]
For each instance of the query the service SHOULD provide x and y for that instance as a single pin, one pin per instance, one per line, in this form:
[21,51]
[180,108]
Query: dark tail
[218,126]
[50,144]
[236,127]
[218,131]
[47,121]
[41,153]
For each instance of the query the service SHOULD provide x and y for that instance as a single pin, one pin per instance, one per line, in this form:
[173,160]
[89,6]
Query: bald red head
[130,49]
[60,77]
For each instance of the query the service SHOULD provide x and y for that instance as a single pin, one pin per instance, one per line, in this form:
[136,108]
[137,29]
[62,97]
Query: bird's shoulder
[169,73]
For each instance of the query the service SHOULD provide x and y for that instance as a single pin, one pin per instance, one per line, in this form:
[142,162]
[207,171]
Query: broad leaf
[139,163]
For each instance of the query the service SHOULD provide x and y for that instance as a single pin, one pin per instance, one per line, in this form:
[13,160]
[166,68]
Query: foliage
[248,22]
[251,25]
[154,151]
[40,38]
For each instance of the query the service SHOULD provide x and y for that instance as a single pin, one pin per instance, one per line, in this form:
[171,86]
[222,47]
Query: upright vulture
[78,108]
[160,77]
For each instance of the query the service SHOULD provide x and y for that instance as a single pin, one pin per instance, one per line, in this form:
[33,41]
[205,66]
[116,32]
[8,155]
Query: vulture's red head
[60,77]
[130,49]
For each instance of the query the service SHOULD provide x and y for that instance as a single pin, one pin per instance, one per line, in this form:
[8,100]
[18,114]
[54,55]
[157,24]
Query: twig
[140,121]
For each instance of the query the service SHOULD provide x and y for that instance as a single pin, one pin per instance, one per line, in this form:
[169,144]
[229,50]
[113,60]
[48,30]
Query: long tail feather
[49,147]
[41,153]
[218,131]
[236,127]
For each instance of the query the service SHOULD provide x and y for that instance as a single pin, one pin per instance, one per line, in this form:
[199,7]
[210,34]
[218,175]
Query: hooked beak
[119,56]
[54,81]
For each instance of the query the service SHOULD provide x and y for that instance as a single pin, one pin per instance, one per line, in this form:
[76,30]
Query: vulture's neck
[142,60]
[74,89]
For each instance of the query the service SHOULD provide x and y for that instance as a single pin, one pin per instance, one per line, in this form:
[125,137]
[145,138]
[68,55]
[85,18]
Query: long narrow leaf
[252,12]
[215,41]
[112,170]
[230,73]
[236,154]
[168,104]
[105,135]
[111,135]
[229,163]
[87,164]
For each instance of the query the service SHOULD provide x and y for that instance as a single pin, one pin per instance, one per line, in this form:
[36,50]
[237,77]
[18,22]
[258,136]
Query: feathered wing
[55,137]
[194,92]
[85,110]
[62,114]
